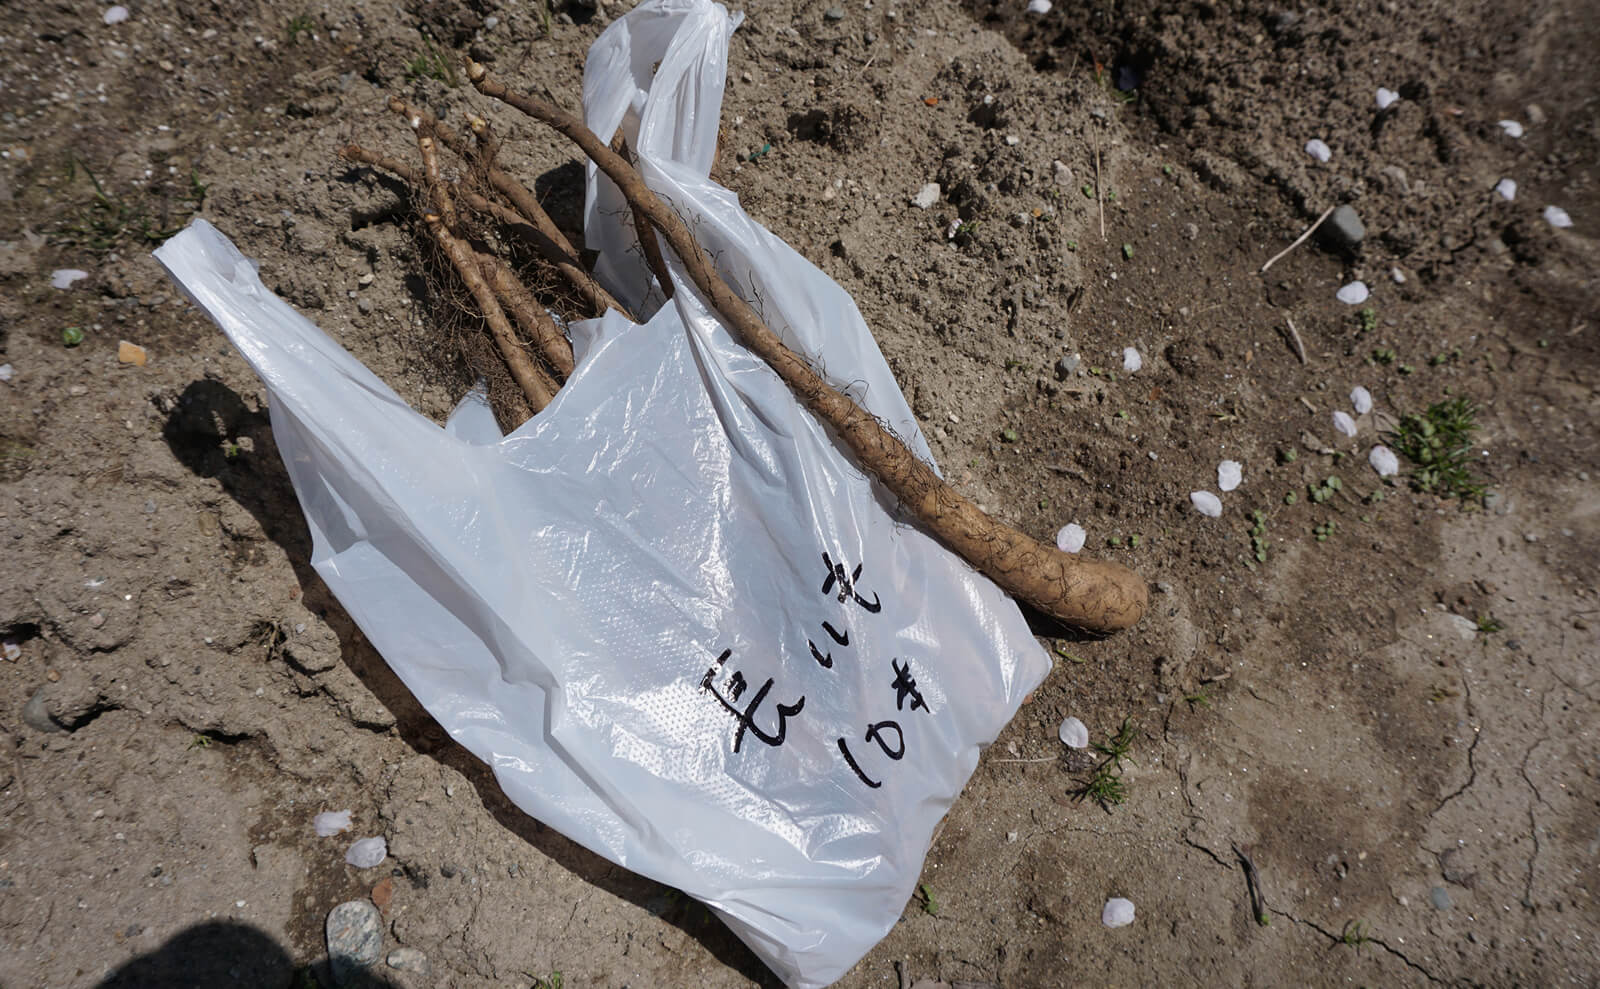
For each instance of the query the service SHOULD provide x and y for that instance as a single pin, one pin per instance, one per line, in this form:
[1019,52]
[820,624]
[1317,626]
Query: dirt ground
[1396,723]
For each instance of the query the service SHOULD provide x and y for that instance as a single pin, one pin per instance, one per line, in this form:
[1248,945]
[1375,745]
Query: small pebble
[1060,174]
[833,14]
[1074,734]
[1069,364]
[1206,503]
[1557,217]
[1071,537]
[355,939]
[130,353]
[1131,361]
[331,822]
[116,15]
[491,22]
[1439,897]
[1229,474]
[1386,98]
[1511,127]
[1353,294]
[7,372]
[1344,225]
[364,304]
[1117,913]
[1344,424]
[1039,7]
[1398,276]
[367,853]
[1507,188]
[926,196]
[1319,150]
[1361,399]
[1012,140]
[1384,461]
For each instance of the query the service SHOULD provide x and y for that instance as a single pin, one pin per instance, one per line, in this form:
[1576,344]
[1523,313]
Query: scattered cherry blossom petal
[1229,474]
[1361,399]
[1118,912]
[1353,294]
[1507,188]
[367,853]
[1070,538]
[1318,149]
[1206,503]
[115,15]
[1386,98]
[331,822]
[1511,127]
[1131,361]
[1074,734]
[1557,217]
[1384,461]
[1039,7]
[64,277]
[1344,424]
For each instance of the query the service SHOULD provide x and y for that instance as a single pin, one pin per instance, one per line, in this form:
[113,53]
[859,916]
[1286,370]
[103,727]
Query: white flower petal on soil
[926,196]
[1039,7]
[115,15]
[1131,361]
[1507,188]
[1398,276]
[1384,461]
[1318,149]
[1117,913]
[1361,399]
[1074,734]
[1344,424]
[1511,127]
[1070,538]
[1229,474]
[1557,217]
[331,822]
[6,372]
[1353,294]
[1386,97]
[367,852]
[1206,503]
[64,277]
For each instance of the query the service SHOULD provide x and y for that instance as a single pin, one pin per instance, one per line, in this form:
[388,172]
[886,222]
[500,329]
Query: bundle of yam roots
[1093,595]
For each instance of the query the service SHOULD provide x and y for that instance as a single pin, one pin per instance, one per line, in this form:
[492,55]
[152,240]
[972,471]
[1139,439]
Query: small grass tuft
[1439,443]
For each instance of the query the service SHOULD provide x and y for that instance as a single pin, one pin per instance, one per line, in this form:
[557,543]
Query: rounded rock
[410,960]
[355,939]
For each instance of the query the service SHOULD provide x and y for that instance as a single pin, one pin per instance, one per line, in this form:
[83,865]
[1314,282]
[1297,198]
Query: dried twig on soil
[1294,338]
[535,383]
[1252,879]
[1099,194]
[1094,594]
[1298,240]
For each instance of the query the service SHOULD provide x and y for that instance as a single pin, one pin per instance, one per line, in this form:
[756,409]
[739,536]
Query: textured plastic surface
[668,611]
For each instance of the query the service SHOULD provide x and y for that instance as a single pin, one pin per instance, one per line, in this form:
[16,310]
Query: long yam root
[1091,594]
[535,383]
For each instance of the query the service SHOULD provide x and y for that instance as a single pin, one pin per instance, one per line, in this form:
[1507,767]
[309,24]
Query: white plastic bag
[684,629]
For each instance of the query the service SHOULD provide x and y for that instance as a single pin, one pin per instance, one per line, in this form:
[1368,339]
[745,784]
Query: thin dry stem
[1093,594]
[1298,240]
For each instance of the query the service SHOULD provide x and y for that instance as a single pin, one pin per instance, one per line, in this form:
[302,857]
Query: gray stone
[1439,897]
[1345,228]
[410,960]
[355,939]
[1068,365]
[833,14]
[36,713]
